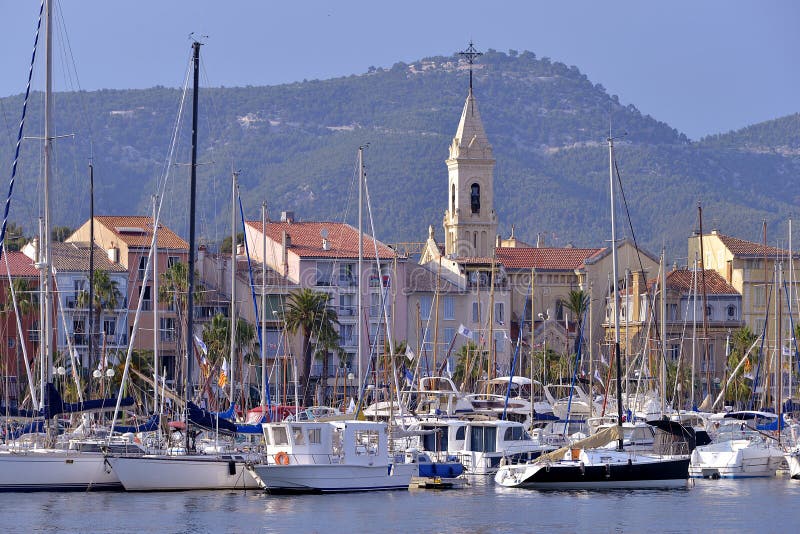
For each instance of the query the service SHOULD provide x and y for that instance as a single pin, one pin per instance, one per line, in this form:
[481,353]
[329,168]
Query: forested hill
[295,147]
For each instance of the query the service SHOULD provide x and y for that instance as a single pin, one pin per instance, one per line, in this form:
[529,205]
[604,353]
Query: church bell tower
[470,222]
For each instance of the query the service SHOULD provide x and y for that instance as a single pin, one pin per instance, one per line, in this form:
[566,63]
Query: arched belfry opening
[475,198]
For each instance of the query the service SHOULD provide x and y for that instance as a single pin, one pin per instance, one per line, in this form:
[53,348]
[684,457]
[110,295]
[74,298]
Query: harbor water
[756,505]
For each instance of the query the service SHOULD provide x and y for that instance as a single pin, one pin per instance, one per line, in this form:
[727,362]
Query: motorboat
[328,457]
[741,448]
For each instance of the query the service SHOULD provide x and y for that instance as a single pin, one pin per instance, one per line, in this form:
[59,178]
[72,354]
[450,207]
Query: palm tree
[739,390]
[106,297]
[577,303]
[309,311]
[173,288]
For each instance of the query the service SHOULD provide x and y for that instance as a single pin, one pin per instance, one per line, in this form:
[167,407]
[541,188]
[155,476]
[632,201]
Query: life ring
[282,458]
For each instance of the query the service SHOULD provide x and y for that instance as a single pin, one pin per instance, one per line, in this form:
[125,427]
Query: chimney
[287,216]
[113,254]
[240,249]
[638,282]
[729,271]
[325,244]
[201,256]
[286,241]
[498,242]
[539,240]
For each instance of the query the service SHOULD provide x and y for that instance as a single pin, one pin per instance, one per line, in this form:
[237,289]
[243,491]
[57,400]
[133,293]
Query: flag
[223,374]
[597,377]
[410,353]
[201,345]
[352,406]
[464,331]
[409,376]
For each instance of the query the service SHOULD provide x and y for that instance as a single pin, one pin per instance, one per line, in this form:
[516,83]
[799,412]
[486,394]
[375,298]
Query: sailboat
[184,470]
[73,462]
[584,464]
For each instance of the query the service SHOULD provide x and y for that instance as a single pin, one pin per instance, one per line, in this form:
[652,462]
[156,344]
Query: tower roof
[470,140]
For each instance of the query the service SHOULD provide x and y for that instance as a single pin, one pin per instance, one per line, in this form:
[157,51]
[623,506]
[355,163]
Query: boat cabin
[329,442]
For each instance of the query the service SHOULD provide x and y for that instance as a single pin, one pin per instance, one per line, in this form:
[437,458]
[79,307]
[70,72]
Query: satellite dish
[324,233]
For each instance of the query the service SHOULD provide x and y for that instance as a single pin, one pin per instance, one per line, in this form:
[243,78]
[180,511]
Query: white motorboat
[330,456]
[740,449]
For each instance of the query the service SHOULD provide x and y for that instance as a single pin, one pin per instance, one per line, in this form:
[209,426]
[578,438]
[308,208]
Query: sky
[703,67]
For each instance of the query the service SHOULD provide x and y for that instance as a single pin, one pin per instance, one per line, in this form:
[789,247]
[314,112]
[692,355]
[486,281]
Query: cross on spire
[470,54]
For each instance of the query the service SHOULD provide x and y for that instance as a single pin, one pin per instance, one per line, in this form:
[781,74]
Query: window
[452,198]
[482,438]
[475,198]
[476,312]
[167,328]
[324,273]
[461,432]
[172,260]
[449,307]
[375,305]
[499,316]
[315,435]
[142,267]
[449,334]
[515,433]
[672,312]
[346,307]
[109,327]
[709,311]
[12,343]
[279,436]
[346,277]
[79,331]
[731,312]
[759,296]
[33,332]
[560,310]
[425,302]
[297,435]
[366,442]
[147,303]
[346,333]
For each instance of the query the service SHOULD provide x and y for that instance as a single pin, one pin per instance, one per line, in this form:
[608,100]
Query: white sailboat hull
[736,458]
[182,473]
[793,460]
[55,470]
[332,478]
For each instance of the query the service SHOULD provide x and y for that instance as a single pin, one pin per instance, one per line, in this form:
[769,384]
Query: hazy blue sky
[701,66]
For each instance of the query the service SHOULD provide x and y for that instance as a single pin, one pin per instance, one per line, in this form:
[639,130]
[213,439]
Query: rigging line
[19,135]
[650,303]
[162,182]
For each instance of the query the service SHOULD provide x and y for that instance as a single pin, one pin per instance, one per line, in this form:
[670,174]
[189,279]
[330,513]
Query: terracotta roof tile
[547,258]
[19,265]
[137,231]
[74,257]
[306,239]
[682,280]
[742,248]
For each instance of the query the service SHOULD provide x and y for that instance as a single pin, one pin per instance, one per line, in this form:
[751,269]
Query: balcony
[347,281]
[346,311]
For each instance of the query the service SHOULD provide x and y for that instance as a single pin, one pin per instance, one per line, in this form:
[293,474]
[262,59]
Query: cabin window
[366,442]
[482,438]
[315,435]
[279,436]
[436,442]
[475,198]
[297,435]
[460,433]
[515,433]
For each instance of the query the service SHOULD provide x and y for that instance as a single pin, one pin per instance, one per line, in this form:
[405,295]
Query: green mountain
[295,147]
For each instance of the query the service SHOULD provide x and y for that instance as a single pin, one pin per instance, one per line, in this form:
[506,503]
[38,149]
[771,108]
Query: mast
[533,336]
[156,324]
[91,265]
[263,307]
[615,287]
[708,357]
[190,285]
[360,309]
[233,326]
[46,288]
[663,385]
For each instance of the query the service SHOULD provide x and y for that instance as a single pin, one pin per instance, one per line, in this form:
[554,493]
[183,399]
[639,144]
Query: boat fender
[282,458]
[231,468]
[608,470]
[583,469]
